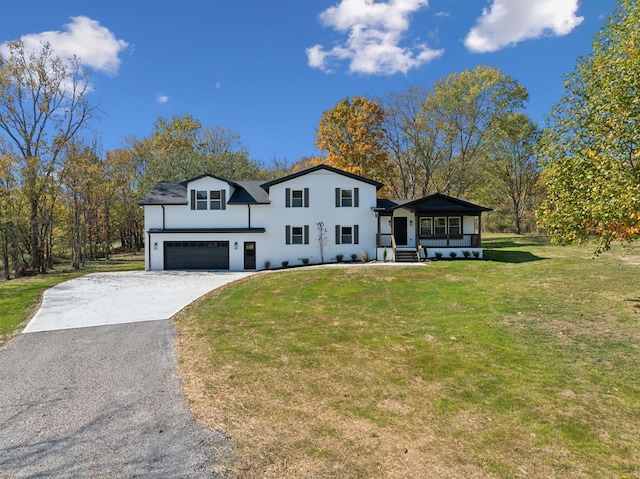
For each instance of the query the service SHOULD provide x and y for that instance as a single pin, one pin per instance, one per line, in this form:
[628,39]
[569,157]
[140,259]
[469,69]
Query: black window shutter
[356,197]
[337,234]
[287,197]
[193,199]
[287,232]
[223,199]
[337,197]
[306,197]
[355,234]
[306,234]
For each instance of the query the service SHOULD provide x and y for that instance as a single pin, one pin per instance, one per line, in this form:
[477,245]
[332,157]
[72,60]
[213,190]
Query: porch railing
[385,240]
[450,241]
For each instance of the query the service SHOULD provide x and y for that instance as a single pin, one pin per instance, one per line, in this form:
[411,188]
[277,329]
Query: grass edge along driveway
[523,365]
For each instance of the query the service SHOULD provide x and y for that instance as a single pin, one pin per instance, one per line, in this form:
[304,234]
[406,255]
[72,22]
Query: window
[440,226]
[426,226]
[347,198]
[215,200]
[201,200]
[297,198]
[454,226]
[297,234]
[208,200]
[347,234]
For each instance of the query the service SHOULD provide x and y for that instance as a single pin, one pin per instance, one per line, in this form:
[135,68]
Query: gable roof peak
[313,169]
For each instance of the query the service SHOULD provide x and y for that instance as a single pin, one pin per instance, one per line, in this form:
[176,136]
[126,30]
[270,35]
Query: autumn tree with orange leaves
[352,135]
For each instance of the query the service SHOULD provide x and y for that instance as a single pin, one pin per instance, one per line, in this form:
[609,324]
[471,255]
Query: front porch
[437,226]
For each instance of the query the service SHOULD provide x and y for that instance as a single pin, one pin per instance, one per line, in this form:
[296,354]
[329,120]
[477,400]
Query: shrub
[466,253]
[339,257]
[285,264]
[267,264]
[438,254]
[476,254]
[354,257]
[364,256]
[453,255]
[305,261]
[384,255]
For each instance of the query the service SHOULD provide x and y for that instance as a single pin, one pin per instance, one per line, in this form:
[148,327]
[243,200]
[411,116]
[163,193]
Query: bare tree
[323,239]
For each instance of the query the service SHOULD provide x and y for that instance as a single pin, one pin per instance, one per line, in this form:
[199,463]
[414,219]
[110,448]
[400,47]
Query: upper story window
[297,198]
[208,200]
[347,197]
[215,200]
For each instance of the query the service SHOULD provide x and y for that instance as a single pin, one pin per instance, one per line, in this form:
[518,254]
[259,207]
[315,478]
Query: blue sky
[268,69]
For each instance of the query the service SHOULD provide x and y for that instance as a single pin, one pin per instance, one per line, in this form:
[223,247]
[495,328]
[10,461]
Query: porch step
[406,256]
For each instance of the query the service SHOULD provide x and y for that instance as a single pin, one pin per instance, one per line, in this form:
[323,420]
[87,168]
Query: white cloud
[161,99]
[375,31]
[508,22]
[96,46]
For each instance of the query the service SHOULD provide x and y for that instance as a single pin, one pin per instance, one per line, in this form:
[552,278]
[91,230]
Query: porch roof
[435,204]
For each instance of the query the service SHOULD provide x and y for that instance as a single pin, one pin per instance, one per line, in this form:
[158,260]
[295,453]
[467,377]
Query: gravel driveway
[102,401]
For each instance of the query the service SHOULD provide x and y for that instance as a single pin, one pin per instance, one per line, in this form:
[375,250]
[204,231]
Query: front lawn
[522,365]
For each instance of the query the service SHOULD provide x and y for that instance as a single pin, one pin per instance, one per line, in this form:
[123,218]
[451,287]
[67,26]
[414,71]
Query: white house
[313,215]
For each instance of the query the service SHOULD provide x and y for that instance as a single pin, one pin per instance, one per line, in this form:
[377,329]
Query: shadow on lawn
[510,256]
[500,248]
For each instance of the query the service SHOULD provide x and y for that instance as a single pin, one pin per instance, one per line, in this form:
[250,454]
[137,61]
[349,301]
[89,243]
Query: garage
[196,255]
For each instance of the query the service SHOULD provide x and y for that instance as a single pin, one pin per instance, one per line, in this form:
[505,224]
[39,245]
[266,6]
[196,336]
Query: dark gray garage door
[196,255]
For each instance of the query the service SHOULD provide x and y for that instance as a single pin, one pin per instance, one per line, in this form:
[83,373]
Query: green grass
[19,298]
[522,365]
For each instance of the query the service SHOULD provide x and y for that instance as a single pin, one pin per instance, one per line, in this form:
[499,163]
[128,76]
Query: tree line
[467,135]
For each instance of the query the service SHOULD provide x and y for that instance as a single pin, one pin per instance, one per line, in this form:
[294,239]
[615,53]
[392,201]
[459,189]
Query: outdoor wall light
[410,222]
[155,245]
[235,245]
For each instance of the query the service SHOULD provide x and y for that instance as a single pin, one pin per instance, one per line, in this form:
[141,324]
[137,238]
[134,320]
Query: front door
[400,230]
[249,255]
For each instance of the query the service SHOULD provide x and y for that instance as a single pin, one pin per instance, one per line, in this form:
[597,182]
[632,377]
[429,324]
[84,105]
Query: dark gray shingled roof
[436,202]
[166,193]
[170,193]
[250,192]
[245,193]
[268,184]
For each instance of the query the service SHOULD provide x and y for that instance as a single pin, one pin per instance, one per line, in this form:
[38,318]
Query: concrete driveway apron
[114,298]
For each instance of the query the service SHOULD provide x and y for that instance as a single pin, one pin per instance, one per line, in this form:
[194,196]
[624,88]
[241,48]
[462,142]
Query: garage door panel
[196,255]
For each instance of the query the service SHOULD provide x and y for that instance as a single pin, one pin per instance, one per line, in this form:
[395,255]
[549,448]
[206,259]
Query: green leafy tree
[512,173]
[439,138]
[462,111]
[43,104]
[182,148]
[352,135]
[590,150]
